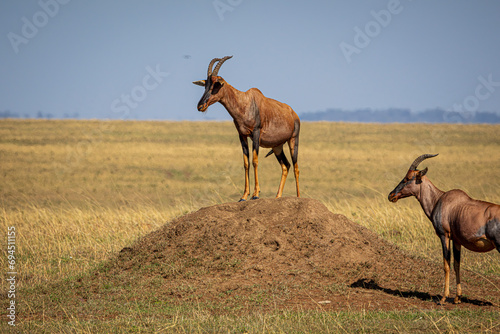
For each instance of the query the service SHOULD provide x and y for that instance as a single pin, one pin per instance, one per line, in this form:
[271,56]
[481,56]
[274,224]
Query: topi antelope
[269,123]
[455,216]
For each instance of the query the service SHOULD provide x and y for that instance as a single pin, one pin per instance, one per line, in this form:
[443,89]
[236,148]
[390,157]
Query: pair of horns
[421,158]
[217,67]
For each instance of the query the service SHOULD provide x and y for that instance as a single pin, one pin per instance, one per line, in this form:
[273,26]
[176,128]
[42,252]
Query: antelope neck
[428,196]
[231,101]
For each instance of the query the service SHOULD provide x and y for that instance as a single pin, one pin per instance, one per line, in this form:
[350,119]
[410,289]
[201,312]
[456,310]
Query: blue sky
[136,60]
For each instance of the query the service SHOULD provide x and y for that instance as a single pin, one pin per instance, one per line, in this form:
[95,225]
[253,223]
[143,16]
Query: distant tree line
[38,114]
[395,115]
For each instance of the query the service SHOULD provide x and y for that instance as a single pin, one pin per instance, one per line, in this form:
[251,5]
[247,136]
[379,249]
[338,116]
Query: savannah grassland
[79,191]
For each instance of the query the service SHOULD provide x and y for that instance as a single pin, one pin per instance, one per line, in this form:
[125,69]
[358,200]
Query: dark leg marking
[296,145]
[283,160]
[456,266]
[446,249]
[246,157]
[445,243]
[244,145]
[255,160]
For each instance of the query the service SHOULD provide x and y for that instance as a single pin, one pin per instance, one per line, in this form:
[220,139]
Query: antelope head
[214,85]
[410,185]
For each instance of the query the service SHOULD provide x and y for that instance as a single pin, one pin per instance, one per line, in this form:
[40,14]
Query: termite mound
[291,252]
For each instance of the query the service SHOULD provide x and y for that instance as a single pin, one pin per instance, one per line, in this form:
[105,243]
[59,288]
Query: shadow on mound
[371,285]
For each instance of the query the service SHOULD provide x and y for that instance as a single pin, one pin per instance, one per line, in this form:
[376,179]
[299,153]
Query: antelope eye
[217,86]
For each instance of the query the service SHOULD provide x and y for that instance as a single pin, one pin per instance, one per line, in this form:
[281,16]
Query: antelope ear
[200,83]
[420,174]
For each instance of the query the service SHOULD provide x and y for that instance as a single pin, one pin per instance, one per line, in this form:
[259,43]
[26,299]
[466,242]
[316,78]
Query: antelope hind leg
[285,166]
[456,265]
[293,144]
[445,242]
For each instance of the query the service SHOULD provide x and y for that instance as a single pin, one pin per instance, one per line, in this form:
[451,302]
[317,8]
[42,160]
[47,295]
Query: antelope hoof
[242,200]
[442,301]
[457,300]
[255,197]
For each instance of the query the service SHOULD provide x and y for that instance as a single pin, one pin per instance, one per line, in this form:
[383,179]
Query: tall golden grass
[79,191]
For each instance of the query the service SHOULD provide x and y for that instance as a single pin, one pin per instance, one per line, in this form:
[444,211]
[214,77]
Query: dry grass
[78,191]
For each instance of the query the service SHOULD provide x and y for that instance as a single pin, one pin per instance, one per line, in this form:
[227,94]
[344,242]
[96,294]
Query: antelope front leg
[445,242]
[244,146]
[456,265]
[255,162]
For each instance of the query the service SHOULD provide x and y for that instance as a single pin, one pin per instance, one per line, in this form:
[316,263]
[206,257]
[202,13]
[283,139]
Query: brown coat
[269,123]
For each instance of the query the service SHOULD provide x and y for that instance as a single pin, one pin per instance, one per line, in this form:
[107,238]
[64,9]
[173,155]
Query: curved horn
[421,158]
[217,67]
[210,66]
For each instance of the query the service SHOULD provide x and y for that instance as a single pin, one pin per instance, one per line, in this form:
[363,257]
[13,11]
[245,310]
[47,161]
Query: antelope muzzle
[393,196]
[203,103]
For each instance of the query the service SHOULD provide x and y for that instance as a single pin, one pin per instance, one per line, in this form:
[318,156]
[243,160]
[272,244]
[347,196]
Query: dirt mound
[281,253]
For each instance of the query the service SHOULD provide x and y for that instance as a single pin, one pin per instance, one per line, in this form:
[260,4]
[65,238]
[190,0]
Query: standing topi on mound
[268,122]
